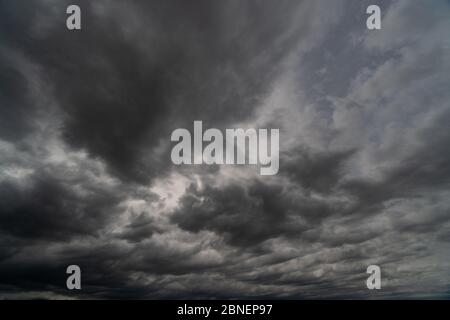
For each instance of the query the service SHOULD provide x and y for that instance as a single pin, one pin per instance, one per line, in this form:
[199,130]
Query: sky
[86,176]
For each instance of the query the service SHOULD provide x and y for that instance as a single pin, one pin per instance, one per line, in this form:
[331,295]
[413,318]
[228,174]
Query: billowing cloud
[85,170]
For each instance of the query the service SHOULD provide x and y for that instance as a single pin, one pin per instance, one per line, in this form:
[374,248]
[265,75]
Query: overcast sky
[86,176]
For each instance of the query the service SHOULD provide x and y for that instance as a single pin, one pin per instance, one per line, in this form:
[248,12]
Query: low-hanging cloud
[85,170]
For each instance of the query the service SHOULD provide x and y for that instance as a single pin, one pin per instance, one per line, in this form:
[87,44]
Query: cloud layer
[85,170]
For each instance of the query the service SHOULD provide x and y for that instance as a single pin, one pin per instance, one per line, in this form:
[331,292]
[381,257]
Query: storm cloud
[86,176]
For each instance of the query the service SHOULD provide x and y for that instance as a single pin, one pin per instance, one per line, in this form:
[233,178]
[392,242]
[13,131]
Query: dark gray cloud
[170,64]
[46,209]
[318,172]
[244,216]
[85,170]
[15,114]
